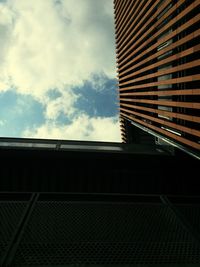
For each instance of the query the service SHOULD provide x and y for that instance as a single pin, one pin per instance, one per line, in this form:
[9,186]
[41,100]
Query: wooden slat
[154,16]
[128,13]
[166,123]
[165,133]
[192,105]
[118,5]
[169,81]
[160,41]
[181,67]
[121,11]
[164,93]
[131,30]
[163,112]
[122,127]
[137,39]
[159,53]
[169,59]
[168,25]
[127,29]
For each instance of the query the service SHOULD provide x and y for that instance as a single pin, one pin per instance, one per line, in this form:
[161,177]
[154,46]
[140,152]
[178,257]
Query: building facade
[157,47]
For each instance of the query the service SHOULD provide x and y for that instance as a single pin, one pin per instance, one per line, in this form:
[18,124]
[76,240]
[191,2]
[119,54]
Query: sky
[57,70]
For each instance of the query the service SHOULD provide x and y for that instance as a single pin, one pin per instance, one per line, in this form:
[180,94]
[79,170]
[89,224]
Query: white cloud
[82,128]
[52,45]
[63,104]
[2,122]
[47,44]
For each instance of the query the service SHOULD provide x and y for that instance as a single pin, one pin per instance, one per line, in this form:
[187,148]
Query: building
[158,58]
[70,203]
[73,203]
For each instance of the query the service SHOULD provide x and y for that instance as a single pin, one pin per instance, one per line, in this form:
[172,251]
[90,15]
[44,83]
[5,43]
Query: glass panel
[20,144]
[87,147]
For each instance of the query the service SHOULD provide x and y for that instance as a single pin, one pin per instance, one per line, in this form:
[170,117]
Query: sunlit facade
[157,47]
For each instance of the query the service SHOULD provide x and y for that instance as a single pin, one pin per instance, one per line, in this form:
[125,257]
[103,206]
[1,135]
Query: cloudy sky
[57,70]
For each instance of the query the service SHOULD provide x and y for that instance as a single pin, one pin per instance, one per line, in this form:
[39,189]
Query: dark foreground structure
[66,203]
[158,62]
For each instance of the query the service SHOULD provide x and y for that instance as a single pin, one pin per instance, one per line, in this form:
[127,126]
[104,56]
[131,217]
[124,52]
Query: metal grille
[192,214]
[106,253]
[10,214]
[61,233]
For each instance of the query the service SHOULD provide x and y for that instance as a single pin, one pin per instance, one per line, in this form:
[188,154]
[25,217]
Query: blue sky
[57,70]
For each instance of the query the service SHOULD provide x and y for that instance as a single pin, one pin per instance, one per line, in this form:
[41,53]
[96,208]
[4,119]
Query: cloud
[2,122]
[82,128]
[58,46]
[62,104]
[54,44]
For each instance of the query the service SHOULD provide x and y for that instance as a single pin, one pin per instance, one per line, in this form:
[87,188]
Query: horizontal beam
[165,122]
[165,113]
[181,67]
[165,103]
[184,79]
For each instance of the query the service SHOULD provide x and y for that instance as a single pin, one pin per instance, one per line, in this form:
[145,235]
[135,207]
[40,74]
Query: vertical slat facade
[158,64]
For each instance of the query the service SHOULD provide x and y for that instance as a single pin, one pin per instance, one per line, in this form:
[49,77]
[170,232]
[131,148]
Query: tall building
[79,203]
[157,46]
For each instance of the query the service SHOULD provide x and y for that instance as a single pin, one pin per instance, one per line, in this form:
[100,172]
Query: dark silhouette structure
[66,203]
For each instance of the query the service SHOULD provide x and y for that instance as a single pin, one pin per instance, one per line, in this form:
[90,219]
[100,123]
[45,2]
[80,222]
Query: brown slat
[165,133]
[116,3]
[154,16]
[164,113]
[128,15]
[165,103]
[122,127]
[134,25]
[121,11]
[132,30]
[169,81]
[131,38]
[167,123]
[161,52]
[169,24]
[162,40]
[185,66]
[163,93]
[117,6]
[118,23]
[161,62]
